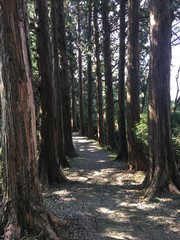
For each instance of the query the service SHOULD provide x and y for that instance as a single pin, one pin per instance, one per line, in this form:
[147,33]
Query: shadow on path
[104,203]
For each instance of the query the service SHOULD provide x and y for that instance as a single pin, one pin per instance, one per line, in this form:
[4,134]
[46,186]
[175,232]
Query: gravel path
[103,202]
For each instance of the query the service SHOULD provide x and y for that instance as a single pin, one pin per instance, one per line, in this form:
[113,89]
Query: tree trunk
[163,172]
[81,95]
[108,75]
[90,78]
[100,119]
[74,87]
[123,153]
[48,160]
[22,206]
[58,79]
[136,157]
[65,84]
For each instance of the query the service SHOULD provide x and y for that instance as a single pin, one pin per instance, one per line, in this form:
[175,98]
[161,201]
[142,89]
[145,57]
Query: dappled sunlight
[107,195]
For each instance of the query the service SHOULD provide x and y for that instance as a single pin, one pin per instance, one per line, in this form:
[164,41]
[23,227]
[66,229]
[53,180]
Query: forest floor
[104,201]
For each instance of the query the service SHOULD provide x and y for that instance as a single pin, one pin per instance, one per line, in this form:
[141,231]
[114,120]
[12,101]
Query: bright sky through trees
[175,64]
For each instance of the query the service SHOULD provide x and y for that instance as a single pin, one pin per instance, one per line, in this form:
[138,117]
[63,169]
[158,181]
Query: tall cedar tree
[163,171]
[123,154]
[108,75]
[72,69]
[48,161]
[22,206]
[136,157]
[90,78]
[100,119]
[65,84]
[62,161]
[81,92]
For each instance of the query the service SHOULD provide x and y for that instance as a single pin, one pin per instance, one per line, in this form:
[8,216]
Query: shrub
[141,132]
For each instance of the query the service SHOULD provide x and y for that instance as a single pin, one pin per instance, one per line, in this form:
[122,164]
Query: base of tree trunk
[72,154]
[121,157]
[39,224]
[160,183]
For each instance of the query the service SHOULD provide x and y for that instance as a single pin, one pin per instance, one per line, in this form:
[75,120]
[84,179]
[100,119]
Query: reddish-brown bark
[22,206]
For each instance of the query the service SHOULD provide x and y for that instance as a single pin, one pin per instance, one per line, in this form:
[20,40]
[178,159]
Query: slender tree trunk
[136,157]
[81,97]
[163,172]
[57,78]
[22,206]
[123,153]
[73,91]
[101,138]
[90,78]
[48,160]
[108,75]
[65,84]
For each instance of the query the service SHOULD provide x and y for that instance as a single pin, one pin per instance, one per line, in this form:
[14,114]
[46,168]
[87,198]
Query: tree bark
[136,156]
[123,153]
[100,119]
[48,160]
[58,79]
[90,78]
[108,75]
[81,95]
[65,84]
[22,206]
[74,85]
[163,172]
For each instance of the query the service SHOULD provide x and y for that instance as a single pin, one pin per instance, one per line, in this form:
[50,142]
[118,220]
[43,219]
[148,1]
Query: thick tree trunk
[81,95]
[58,79]
[65,84]
[163,171]
[123,153]
[136,157]
[90,78]
[22,205]
[48,161]
[108,75]
[101,137]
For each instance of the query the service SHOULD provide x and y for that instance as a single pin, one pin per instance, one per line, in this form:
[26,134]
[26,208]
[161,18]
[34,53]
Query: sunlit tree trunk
[163,173]
[22,206]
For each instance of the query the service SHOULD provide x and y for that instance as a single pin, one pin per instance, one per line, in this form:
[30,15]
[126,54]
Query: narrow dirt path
[104,201]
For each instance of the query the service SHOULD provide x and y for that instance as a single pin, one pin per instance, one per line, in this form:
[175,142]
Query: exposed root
[55,220]
[39,222]
[173,189]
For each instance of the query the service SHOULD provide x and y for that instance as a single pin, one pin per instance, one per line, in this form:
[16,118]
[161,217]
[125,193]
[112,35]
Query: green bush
[175,120]
[141,132]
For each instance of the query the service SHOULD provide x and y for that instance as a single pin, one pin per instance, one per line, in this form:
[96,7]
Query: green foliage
[141,132]
[175,120]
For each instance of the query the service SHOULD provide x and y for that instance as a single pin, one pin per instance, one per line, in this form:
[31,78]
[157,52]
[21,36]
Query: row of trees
[147,85]
[55,70]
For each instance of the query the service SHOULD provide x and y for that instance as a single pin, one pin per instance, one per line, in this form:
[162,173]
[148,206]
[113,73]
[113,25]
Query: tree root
[38,224]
